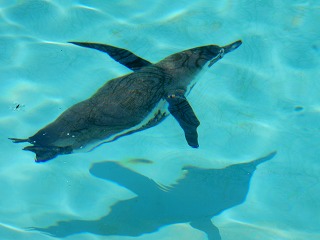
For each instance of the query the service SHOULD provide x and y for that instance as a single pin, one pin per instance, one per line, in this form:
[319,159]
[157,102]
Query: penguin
[130,103]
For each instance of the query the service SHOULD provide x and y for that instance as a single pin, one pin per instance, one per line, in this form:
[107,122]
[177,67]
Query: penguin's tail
[19,140]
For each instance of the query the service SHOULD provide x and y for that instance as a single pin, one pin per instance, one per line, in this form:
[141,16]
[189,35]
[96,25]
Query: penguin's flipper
[183,113]
[123,56]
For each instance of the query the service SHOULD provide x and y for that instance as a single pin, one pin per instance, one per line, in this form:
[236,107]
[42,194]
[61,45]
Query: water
[262,98]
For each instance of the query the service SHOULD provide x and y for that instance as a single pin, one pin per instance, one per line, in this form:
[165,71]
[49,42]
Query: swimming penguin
[131,103]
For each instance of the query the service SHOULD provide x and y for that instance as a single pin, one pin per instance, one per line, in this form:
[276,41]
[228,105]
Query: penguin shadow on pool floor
[195,199]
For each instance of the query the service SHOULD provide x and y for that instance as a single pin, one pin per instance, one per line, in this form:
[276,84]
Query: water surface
[264,97]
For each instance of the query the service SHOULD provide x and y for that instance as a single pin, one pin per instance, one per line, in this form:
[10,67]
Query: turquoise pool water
[151,185]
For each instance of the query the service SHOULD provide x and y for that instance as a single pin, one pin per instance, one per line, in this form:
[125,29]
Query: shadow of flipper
[206,226]
[135,182]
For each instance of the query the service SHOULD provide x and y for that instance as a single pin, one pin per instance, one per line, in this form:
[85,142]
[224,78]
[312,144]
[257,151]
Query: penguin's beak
[232,46]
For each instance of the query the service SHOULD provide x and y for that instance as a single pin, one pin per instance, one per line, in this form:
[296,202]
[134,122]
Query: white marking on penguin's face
[217,58]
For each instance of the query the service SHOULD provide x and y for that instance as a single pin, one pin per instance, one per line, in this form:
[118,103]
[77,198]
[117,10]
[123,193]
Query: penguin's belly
[156,115]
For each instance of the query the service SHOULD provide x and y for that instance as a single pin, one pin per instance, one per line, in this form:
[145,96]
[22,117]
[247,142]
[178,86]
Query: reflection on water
[199,196]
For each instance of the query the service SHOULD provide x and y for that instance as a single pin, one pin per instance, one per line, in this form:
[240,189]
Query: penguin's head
[196,58]
[212,53]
